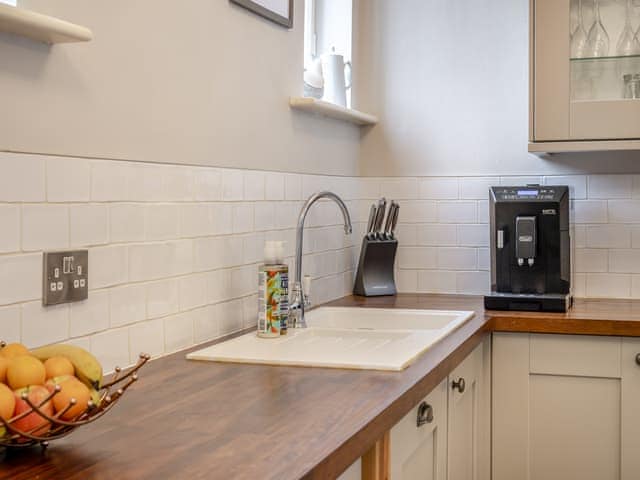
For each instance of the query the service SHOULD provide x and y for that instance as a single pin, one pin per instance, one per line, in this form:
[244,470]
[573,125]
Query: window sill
[332,110]
[42,28]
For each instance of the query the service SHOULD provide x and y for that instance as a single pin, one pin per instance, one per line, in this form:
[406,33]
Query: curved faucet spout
[298,303]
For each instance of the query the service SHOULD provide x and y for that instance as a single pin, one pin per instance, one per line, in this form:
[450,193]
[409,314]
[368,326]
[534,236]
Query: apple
[36,394]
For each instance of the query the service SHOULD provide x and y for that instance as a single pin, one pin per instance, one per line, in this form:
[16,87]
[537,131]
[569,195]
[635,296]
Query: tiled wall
[445,237]
[174,249]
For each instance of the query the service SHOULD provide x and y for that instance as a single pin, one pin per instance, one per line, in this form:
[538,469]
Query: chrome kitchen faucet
[300,298]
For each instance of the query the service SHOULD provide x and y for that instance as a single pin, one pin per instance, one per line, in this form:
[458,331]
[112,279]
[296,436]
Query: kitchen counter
[187,419]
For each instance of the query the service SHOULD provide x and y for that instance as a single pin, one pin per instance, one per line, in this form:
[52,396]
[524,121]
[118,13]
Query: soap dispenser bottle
[273,292]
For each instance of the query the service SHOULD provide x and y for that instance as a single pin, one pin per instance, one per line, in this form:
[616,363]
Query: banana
[87,367]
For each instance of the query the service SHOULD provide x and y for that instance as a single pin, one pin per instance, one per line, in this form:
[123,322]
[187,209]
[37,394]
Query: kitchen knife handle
[390,214]
[394,222]
[372,218]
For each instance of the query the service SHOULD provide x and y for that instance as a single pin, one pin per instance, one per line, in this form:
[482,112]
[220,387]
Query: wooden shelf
[584,146]
[332,110]
[42,28]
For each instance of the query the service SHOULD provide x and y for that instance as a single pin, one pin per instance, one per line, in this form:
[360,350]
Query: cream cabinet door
[419,448]
[465,413]
[565,407]
[354,472]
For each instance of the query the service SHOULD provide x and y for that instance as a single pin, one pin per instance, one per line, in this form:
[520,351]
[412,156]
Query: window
[9,2]
[328,26]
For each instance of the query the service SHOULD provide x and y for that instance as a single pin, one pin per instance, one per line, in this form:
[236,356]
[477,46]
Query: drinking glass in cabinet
[628,43]
[598,38]
[579,35]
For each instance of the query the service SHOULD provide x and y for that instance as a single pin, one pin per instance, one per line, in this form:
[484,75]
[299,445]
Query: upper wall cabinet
[585,75]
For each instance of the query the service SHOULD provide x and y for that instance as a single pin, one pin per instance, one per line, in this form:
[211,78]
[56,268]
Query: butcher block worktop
[202,420]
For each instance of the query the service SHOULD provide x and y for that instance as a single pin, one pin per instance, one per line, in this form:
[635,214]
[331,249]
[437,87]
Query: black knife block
[375,275]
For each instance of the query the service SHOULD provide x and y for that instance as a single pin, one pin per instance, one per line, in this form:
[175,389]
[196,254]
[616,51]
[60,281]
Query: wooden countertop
[200,420]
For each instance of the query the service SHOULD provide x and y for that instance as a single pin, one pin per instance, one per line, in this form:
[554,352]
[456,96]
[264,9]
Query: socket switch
[65,277]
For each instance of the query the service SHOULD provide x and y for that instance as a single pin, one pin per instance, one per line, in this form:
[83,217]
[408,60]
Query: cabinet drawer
[575,355]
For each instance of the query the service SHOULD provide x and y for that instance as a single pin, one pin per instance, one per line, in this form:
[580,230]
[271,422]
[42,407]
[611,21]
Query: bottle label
[273,307]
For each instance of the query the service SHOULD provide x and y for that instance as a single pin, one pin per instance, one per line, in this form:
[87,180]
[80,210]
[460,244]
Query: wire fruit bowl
[109,394]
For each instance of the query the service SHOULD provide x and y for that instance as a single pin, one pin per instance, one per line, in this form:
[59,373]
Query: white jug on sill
[334,73]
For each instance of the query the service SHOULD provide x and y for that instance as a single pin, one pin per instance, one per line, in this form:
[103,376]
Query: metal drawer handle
[638,359]
[425,414]
[459,385]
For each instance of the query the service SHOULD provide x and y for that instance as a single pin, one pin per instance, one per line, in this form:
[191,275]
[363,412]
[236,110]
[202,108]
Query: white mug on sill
[333,72]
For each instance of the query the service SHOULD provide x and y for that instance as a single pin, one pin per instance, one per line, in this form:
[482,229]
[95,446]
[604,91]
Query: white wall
[449,81]
[199,82]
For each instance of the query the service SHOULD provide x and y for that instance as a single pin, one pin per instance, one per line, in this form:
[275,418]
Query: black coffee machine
[530,249]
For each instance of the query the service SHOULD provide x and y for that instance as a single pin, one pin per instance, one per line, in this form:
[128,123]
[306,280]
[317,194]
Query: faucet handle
[306,289]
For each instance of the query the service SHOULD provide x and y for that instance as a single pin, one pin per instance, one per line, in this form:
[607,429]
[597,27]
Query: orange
[4,363]
[24,371]
[58,366]
[13,350]
[70,388]
[7,402]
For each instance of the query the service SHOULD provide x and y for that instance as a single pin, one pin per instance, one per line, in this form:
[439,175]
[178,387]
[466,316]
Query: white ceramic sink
[360,338]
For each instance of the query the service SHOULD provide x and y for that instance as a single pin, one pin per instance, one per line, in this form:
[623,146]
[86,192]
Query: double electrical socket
[65,277]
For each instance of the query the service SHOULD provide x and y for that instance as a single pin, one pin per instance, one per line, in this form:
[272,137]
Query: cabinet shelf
[332,110]
[42,28]
[584,146]
[604,59]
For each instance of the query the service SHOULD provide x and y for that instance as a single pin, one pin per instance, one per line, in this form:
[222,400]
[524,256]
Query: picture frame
[278,11]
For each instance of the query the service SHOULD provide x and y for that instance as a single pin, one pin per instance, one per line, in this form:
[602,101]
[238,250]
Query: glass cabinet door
[586,82]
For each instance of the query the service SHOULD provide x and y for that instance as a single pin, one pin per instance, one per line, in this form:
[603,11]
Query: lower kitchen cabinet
[447,436]
[565,406]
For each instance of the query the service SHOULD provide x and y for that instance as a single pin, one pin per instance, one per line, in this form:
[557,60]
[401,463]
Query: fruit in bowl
[47,392]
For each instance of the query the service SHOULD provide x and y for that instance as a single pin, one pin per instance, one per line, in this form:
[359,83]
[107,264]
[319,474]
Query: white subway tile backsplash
[67,180]
[45,227]
[127,305]
[89,316]
[44,325]
[126,222]
[473,283]
[242,218]
[88,225]
[20,277]
[438,188]
[399,188]
[108,266]
[10,324]
[437,235]
[590,211]
[417,257]
[589,260]
[254,186]
[174,249]
[111,348]
[274,186]
[577,184]
[624,211]
[609,186]
[162,222]
[178,332]
[146,337]
[162,298]
[514,181]
[232,185]
[23,178]
[608,236]
[477,188]
[457,212]
[457,258]
[624,261]
[473,235]
[193,291]
[10,222]
[422,211]
[436,282]
[599,285]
